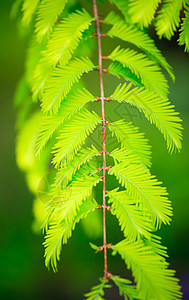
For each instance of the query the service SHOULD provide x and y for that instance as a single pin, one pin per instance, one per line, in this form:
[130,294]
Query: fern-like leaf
[154,280]
[97,292]
[145,190]
[184,30]
[132,139]
[168,18]
[66,37]
[123,6]
[122,154]
[65,174]
[131,34]
[142,12]
[73,135]
[47,15]
[157,110]
[149,73]
[28,8]
[65,202]
[125,288]
[120,71]
[59,233]
[132,221]
[61,81]
[74,102]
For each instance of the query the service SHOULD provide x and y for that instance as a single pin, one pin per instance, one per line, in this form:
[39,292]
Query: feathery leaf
[132,221]
[59,233]
[125,288]
[184,30]
[65,202]
[132,139]
[74,102]
[131,34]
[28,8]
[123,6]
[153,279]
[122,154]
[157,110]
[73,135]
[119,70]
[83,156]
[145,190]
[66,37]
[144,68]
[142,12]
[97,292]
[168,18]
[47,15]
[61,81]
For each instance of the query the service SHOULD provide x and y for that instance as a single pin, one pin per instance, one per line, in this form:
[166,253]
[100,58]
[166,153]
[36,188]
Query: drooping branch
[102,98]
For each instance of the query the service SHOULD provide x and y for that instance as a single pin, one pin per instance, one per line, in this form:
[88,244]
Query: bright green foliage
[144,68]
[168,18]
[132,221]
[83,156]
[47,15]
[184,30]
[131,34]
[125,288]
[119,70]
[73,135]
[132,139]
[59,234]
[61,81]
[66,37]
[28,8]
[153,278]
[97,292]
[145,189]
[156,109]
[142,11]
[53,133]
[73,103]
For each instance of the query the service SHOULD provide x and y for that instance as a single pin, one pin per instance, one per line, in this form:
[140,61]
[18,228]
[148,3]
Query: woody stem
[95,9]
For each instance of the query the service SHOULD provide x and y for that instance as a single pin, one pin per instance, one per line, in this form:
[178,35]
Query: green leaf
[83,156]
[142,12]
[157,110]
[131,34]
[153,279]
[145,190]
[132,139]
[62,79]
[47,15]
[144,68]
[74,102]
[132,221]
[184,30]
[125,288]
[122,5]
[122,154]
[66,37]
[28,8]
[168,18]
[59,233]
[120,71]
[155,244]
[97,292]
[65,202]
[73,135]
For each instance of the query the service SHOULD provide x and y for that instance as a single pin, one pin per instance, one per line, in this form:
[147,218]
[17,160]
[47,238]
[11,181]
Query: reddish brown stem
[103,134]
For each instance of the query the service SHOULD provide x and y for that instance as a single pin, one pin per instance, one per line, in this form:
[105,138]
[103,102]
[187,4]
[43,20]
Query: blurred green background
[22,271]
